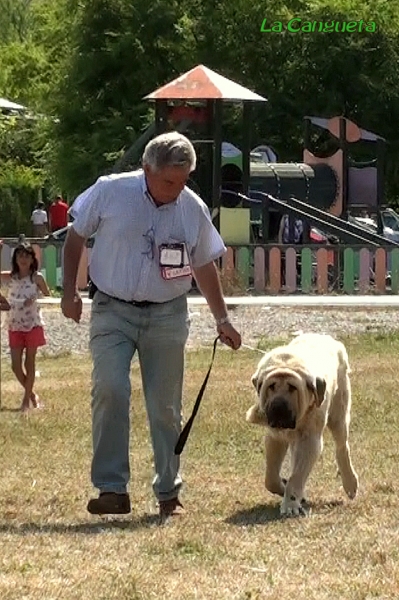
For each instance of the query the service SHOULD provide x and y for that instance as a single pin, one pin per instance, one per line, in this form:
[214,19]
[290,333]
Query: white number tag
[174,262]
[171,255]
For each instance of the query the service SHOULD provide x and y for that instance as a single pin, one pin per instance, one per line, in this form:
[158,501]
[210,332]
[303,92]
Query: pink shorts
[27,339]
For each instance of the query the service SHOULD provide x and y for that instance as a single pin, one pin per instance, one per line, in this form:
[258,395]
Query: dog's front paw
[256,416]
[350,483]
[293,506]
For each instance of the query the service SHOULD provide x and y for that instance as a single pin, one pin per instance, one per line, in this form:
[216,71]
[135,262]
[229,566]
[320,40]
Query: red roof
[201,83]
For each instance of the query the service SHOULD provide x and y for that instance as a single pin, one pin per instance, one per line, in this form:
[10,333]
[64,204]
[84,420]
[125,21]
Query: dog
[302,388]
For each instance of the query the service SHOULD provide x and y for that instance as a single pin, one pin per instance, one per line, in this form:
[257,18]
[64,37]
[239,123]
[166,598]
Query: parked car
[390,221]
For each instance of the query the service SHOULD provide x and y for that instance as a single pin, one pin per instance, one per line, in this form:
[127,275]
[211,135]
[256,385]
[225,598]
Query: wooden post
[217,160]
[246,147]
[380,184]
[345,170]
[161,116]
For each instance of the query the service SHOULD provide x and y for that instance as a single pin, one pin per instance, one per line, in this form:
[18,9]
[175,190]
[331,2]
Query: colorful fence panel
[322,258]
[259,270]
[395,271]
[306,270]
[266,269]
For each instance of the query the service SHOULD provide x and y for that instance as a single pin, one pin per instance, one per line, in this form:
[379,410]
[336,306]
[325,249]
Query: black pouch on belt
[92,289]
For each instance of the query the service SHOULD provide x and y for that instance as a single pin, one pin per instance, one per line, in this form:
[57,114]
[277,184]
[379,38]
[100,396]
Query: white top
[39,217]
[21,317]
[129,229]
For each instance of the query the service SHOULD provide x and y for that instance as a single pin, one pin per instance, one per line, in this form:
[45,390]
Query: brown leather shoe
[109,503]
[170,508]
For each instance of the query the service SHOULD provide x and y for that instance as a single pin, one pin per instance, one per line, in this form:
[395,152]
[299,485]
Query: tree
[122,51]
[15,21]
[21,177]
[33,44]
[324,74]
[87,64]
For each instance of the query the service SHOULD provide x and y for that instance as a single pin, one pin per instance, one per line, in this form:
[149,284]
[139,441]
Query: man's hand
[72,306]
[229,335]
[71,303]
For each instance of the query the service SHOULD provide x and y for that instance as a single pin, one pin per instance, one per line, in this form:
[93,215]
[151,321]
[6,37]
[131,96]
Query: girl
[25,324]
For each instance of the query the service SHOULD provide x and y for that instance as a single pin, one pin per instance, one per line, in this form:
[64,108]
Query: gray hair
[170,150]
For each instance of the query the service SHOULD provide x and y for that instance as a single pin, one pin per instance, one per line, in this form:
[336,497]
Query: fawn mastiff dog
[302,388]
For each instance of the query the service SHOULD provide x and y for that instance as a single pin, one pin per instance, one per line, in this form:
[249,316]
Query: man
[58,213]
[152,235]
[39,220]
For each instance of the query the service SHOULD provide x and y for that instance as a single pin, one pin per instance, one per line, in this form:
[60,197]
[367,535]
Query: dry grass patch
[231,544]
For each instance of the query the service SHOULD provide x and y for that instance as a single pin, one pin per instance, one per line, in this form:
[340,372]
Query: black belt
[141,304]
[93,289]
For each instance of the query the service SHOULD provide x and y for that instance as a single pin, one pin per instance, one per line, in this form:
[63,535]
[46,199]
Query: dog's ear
[257,380]
[321,386]
[318,387]
[254,380]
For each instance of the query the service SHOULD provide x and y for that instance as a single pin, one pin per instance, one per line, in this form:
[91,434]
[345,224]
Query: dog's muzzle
[279,414]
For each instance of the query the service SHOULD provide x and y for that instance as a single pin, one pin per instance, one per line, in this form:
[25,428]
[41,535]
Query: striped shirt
[129,229]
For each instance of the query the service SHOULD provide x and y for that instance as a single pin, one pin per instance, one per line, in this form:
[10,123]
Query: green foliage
[122,51]
[20,175]
[15,22]
[32,43]
[19,187]
[351,74]
[84,67]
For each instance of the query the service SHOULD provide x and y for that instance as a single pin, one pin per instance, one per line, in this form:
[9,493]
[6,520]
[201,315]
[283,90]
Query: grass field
[231,544]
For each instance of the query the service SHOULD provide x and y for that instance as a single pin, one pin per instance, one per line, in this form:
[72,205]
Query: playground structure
[248,192]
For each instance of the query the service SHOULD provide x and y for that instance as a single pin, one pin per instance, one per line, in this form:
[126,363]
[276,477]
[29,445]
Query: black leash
[181,442]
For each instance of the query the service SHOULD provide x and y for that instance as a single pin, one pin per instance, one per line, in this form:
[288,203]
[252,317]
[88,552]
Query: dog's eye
[291,388]
[272,387]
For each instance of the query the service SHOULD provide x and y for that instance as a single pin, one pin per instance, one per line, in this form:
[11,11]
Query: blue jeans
[159,333]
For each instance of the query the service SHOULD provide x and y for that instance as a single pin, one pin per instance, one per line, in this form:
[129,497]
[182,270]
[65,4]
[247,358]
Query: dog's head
[285,395]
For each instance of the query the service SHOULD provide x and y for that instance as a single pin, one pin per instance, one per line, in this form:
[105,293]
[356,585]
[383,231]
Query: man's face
[166,184]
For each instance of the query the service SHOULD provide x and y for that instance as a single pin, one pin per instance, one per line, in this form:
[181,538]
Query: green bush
[19,189]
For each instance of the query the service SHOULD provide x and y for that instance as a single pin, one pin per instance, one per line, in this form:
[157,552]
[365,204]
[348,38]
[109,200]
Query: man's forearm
[208,281]
[72,253]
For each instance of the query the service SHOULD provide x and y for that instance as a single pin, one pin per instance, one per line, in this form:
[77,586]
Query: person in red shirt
[58,214]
